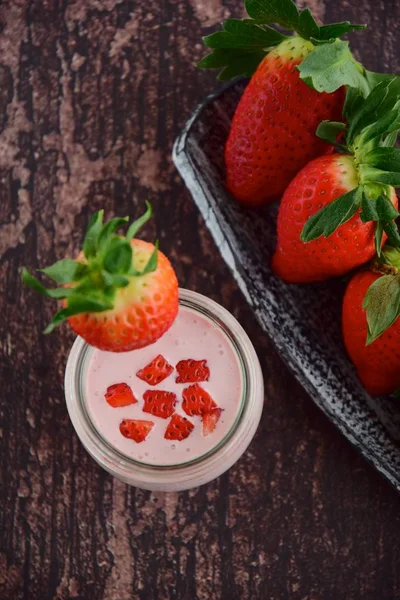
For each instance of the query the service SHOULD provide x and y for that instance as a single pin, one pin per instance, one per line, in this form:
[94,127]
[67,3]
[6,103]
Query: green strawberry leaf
[382,305]
[382,211]
[335,30]
[378,103]
[387,159]
[366,112]
[368,174]
[114,279]
[221,57]
[307,26]
[390,140]
[368,209]
[353,102]
[392,232]
[78,304]
[244,65]
[395,394]
[92,234]
[374,78]
[109,230]
[283,12]
[151,263]
[138,224]
[232,62]
[55,293]
[329,218]
[391,256]
[385,126]
[379,209]
[330,131]
[245,35]
[239,48]
[330,67]
[119,256]
[65,271]
[153,260]
[378,238]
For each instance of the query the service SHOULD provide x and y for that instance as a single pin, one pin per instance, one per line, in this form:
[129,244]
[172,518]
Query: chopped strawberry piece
[191,371]
[156,371]
[159,403]
[136,429]
[179,428]
[196,401]
[119,394]
[210,420]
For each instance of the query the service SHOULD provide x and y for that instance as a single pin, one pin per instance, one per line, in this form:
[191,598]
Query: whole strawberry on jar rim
[297,82]
[339,210]
[370,323]
[120,294]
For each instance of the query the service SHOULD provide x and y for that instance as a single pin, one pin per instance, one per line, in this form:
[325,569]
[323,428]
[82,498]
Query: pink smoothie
[193,335]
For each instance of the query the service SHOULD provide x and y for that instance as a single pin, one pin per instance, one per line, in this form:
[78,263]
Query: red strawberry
[350,245]
[179,428]
[156,371]
[196,401]
[190,371]
[119,394]
[136,429]
[338,211]
[272,134]
[210,420]
[159,403]
[120,294]
[371,328]
[144,310]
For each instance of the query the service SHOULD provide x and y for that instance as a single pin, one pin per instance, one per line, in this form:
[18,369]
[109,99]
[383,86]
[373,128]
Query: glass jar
[194,472]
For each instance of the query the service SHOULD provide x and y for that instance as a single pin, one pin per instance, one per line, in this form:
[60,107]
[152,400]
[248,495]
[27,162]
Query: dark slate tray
[303,321]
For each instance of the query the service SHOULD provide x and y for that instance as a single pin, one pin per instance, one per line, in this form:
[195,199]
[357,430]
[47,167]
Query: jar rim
[152,476]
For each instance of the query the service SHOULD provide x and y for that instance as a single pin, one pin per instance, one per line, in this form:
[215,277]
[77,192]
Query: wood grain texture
[92,95]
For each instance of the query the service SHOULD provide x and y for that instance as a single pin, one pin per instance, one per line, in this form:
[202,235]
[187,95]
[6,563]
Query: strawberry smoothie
[192,336]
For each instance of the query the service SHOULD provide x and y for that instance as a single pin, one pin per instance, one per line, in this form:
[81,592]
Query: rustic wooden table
[92,95]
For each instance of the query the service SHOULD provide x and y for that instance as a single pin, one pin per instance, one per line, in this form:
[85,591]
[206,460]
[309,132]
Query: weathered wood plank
[92,95]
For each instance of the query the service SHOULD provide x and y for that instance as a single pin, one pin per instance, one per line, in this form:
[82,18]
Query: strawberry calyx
[242,44]
[382,300]
[90,284]
[368,134]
